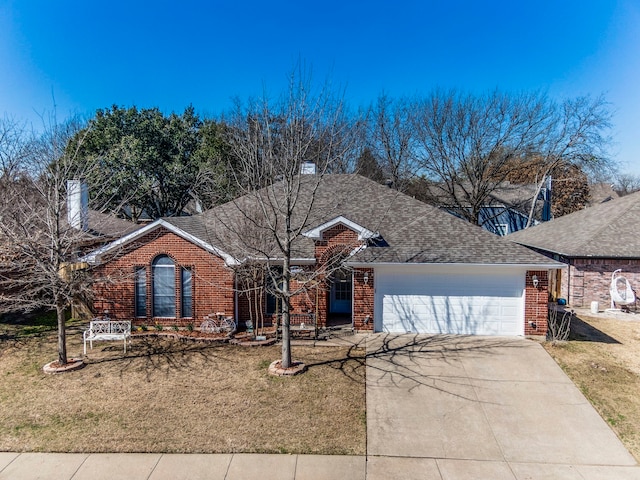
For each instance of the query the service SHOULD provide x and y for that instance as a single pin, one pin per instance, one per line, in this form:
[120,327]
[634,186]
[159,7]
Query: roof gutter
[540,266]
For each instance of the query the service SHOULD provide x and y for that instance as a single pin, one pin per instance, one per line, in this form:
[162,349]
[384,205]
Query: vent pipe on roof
[78,204]
[308,168]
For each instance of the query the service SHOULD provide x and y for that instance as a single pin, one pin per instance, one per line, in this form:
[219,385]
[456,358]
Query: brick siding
[536,303]
[212,281]
[213,284]
[338,240]
[363,299]
[588,279]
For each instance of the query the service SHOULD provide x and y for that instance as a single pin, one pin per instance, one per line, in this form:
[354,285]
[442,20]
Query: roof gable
[94,257]
[363,233]
[607,230]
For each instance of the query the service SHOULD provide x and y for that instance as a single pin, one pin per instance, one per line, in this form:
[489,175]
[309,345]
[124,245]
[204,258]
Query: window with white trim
[164,287]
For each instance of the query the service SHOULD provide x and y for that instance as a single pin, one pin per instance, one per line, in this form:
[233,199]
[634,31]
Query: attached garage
[454,299]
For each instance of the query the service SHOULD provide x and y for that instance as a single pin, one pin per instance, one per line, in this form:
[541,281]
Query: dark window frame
[140,292]
[272,301]
[186,292]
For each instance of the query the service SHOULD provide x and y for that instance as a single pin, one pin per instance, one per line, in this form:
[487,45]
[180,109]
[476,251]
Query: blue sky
[91,55]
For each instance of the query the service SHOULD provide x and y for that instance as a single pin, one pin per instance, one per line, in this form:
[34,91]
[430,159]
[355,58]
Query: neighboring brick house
[593,243]
[366,256]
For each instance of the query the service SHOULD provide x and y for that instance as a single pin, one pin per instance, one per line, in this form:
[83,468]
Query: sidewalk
[151,466]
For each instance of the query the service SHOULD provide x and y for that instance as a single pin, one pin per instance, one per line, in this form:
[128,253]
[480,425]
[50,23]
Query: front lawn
[603,360]
[178,396]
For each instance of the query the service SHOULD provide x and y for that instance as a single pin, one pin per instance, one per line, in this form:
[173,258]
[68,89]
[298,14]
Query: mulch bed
[57,367]
[243,338]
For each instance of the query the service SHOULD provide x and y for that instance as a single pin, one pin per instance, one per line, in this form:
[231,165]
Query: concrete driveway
[451,407]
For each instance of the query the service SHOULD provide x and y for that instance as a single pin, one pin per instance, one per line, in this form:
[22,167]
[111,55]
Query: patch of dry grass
[603,360]
[180,396]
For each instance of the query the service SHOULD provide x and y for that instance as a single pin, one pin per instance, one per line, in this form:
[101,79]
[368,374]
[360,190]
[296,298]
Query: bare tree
[468,145]
[391,139]
[39,244]
[272,141]
[577,135]
[465,141]
[13,147]
[626,183]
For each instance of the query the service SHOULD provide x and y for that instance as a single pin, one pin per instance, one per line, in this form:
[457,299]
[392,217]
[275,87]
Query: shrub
[559,325]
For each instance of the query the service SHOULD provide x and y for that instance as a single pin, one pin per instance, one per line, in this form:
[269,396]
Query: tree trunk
[286,320]
[62,335]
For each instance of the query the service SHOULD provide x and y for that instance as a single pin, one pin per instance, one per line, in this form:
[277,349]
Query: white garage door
[475,301]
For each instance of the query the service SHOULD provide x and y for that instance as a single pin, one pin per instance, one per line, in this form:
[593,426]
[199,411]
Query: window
[501,229]
[164,287]
[168,291]
[342,285]
[141,292]
[273,279]
[186,308]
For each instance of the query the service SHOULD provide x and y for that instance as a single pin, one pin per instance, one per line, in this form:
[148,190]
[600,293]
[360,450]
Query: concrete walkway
[148,466]
[438,408]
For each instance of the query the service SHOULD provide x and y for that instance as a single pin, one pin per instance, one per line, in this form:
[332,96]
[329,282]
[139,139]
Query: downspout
[235,298]
[353,298]
[569,284]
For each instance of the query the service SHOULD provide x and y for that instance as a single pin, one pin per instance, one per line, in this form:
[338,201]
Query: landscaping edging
[55,367]
[254,343]
[199,336]
[242,340]
[295,368]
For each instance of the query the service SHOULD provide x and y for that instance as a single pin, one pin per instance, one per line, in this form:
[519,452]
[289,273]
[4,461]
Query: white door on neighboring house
[341,295]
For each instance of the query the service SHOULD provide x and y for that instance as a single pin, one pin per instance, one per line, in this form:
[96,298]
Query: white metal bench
[107,330]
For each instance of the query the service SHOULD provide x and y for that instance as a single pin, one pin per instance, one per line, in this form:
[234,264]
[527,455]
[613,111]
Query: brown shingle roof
[108,225]
[413,232]
[608,230]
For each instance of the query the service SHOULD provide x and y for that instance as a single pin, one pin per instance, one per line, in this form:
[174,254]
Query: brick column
[363,299]
[536,303]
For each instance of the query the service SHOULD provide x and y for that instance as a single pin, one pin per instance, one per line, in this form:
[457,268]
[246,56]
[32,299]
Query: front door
[341,292]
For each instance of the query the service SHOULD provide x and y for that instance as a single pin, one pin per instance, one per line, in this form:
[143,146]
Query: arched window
[164,287]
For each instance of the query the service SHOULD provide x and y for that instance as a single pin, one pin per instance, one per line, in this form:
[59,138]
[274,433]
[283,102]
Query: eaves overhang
[93,258]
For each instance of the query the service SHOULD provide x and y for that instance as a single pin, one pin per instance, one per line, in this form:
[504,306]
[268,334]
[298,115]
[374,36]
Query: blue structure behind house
[498,219]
